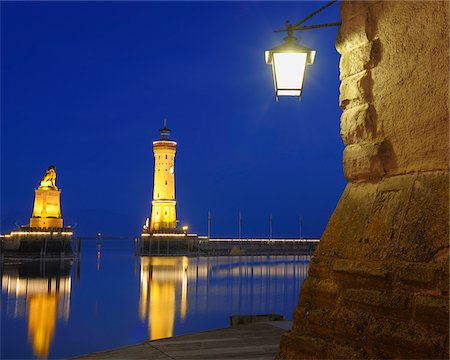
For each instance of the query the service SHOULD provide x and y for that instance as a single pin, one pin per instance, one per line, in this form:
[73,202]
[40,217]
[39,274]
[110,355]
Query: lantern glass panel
[289,70]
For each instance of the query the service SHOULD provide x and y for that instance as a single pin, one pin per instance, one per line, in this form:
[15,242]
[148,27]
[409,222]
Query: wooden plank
[249,341]
[139,351]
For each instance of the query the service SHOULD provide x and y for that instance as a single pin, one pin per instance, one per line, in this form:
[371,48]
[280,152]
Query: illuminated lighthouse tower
[164,215]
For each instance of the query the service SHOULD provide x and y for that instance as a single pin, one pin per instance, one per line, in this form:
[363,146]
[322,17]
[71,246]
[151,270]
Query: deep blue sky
[85,86]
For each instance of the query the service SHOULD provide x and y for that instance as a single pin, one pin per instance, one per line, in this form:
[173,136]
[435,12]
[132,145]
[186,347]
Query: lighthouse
[164,216]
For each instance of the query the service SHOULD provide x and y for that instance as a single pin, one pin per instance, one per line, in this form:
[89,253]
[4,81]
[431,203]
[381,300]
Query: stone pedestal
[47,209]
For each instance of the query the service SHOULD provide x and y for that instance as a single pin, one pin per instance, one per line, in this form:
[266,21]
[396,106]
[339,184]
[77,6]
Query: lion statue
[49,179]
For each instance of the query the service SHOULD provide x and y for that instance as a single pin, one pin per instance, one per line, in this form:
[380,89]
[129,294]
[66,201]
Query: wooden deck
[249,341]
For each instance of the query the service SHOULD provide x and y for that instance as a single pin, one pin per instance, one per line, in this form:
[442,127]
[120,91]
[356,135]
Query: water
[111,298]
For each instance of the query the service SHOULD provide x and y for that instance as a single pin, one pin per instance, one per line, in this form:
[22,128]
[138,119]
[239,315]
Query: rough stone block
[393,219]
[317,294]
[393,303]
[411,84]
[339,324]
[408,219]
[431,310]
[340,351]
[444,278]
[353,34]
[319,269]
[319,322]
[363,162]
[358,124]
[361,274]
[355,90]
[352,212]
[297,347]
[393,338]
[303,347]
[419,275]
[361,58]
[425,227]
[352,8]
[361,268]
[401,219]
[384,225]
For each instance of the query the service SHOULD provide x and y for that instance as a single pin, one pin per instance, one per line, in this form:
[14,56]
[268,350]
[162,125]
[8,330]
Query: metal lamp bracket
[289,28]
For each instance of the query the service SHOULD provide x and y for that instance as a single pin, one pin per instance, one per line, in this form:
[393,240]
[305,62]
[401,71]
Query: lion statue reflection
[49,179]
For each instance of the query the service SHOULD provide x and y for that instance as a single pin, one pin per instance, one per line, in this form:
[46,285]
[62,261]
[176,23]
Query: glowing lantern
[289,62]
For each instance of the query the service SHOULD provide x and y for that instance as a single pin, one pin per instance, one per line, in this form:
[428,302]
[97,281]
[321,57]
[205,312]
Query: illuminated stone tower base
[47,208]
[45,234]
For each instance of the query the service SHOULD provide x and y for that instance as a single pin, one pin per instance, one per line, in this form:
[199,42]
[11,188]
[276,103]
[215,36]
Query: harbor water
[110,298]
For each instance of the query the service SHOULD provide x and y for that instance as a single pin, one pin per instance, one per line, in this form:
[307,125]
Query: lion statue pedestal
[47,206]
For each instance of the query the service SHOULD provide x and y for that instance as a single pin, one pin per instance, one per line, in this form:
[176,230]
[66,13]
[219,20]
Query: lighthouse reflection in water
[63,308]
[174,288]
[41,292]
[162,279]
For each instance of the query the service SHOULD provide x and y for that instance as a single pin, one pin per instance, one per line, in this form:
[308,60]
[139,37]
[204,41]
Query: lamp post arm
[315,13]
[290,28]
[317,26]
[309,27]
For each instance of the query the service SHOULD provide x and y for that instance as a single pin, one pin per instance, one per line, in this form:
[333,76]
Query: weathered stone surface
[317,294]
[358,124]
[361,58]
[432,311]
[313,348]
[402,218]
[355,33]
[411,84]
[363,161]
[385,303]
[340,324]
[350,9]
[352,212]
[301,347]
[391,338]
[375,338]
[425,227]
[379,282]
[385,223]
[420,275]
[355,90]
[360,268]
[361,274]
[319,269]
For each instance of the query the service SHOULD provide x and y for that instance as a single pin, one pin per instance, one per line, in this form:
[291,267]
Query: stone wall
[378,284]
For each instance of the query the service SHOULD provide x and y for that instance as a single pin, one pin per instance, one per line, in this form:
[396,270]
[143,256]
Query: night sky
[85,87]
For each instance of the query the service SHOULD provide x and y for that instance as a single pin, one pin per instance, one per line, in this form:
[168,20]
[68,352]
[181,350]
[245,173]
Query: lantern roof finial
[164,132]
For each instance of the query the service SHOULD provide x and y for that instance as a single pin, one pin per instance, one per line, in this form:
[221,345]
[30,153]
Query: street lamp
[289,59]
[289,62]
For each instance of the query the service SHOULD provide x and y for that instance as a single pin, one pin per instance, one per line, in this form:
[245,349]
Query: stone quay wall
[378,284]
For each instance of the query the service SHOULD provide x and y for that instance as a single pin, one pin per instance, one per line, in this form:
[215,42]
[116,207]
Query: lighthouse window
[165,213]
[166,157]
[166,182]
